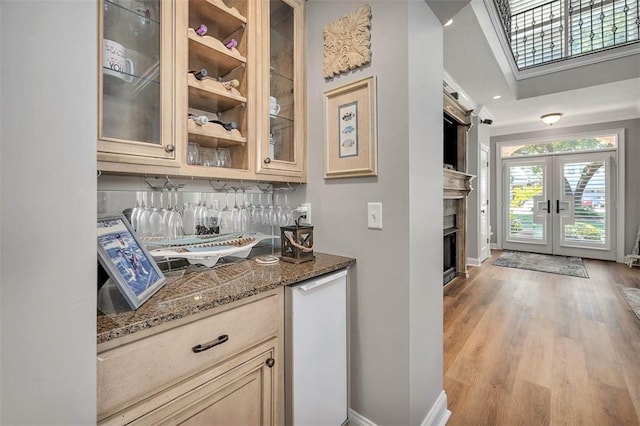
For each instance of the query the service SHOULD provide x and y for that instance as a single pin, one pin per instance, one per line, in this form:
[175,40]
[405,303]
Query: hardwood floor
[532,348]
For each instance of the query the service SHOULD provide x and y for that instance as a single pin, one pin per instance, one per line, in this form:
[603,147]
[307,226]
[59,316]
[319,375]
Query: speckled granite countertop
[199,289]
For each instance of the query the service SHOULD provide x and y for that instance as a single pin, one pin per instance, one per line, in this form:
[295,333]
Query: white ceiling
[470,64]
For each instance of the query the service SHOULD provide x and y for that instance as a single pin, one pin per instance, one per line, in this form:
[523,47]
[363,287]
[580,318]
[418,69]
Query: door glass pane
[281,105]
[582,144]
[586,182]
[131,70]
[525,182]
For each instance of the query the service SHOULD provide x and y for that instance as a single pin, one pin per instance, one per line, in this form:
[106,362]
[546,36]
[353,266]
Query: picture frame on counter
[350,130]
[126,260]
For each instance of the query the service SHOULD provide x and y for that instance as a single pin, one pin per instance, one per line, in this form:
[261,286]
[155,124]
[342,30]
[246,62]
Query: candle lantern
[296,243]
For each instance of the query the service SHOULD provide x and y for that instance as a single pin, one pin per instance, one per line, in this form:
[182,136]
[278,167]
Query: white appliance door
[317,350]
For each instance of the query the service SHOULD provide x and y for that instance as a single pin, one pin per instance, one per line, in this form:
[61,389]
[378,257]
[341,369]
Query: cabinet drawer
[129,373]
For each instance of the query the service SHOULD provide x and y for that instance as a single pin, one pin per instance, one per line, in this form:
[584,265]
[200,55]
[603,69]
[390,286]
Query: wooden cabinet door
[281,150]
[242,395]
[136,80]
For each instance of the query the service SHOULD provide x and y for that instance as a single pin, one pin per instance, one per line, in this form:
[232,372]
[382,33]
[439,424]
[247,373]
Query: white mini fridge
[316,351]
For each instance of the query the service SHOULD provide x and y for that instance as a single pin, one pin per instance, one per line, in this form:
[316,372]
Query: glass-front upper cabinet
[282,142]
[136,82]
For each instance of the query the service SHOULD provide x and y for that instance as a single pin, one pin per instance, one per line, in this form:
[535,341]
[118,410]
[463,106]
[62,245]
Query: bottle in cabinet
[212,113]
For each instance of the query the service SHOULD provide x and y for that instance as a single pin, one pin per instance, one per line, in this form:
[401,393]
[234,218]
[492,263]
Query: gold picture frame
[350,128]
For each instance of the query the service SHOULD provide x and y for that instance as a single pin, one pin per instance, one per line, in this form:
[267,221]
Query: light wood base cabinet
[162,378]
[239,392]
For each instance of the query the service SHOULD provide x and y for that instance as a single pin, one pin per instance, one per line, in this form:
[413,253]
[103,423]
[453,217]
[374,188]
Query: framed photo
[126,261]
[350,130]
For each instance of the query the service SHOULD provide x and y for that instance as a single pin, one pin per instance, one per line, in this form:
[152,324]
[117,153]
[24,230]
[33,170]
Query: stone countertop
[198,289]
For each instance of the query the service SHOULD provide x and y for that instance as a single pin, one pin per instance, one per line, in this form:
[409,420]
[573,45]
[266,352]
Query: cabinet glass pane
[281,104]
[131,71]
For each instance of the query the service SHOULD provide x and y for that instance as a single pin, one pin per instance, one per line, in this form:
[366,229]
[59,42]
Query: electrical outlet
[306,207]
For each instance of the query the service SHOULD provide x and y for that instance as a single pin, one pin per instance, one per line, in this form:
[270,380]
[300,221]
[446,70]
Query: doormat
[632,296]
[561,265]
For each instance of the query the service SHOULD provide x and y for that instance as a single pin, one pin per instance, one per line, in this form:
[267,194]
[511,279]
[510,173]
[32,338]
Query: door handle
[548,206]
[558,207]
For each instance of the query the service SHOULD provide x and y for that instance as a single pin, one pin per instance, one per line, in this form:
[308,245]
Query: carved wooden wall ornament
[347,42]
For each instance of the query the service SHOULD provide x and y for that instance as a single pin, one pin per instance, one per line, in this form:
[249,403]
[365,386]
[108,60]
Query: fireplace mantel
[456,185]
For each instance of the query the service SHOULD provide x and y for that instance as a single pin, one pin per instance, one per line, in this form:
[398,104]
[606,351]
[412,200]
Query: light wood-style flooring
[532,348]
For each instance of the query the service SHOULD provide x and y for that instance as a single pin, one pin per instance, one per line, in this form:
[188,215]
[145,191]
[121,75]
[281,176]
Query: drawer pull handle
[201,348]
[271,362]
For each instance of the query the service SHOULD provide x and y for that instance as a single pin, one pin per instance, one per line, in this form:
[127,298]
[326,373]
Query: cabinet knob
[271,362]
[169,148]
[267,160]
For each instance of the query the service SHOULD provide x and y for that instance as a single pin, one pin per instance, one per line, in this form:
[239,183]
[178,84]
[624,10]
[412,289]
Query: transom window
[591,143]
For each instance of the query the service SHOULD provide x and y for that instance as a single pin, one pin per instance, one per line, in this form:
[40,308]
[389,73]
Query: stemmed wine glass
[285,212]
[155,219]
[172,220]
[235,212]
[274,212]
[200,213]
[225,221]
[137,211]
[245,214]
[264,211]
[144,223]
[252,210]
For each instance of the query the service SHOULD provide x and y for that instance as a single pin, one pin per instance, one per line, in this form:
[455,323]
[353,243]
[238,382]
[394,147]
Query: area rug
[561,265]
[632,296]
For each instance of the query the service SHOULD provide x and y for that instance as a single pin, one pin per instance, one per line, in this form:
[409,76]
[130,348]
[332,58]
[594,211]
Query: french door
[561,204]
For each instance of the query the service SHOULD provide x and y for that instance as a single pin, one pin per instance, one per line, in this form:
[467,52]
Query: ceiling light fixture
[449,22]
[551,118]
[497,97]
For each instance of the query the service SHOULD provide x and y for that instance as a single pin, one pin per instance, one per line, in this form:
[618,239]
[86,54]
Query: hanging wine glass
[245,215]
[264,212]
[155,220]
[285,212]
[235,213]
[274,212]
[172,220]
[144,223]
[224,217]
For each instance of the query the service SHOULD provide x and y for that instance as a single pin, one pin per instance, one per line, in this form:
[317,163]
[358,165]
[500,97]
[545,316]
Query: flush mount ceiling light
[449,22]
[551,118]
[497,97]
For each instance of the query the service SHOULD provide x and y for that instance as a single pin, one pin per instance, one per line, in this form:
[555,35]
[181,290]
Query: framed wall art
[350,130]
[127,262]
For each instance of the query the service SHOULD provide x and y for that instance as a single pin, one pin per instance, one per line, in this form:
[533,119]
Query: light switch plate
[374,215]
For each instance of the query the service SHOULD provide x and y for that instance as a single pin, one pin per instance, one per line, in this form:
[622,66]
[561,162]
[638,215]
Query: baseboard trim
[357,419]
[439,413]
[494,246]
[472,261]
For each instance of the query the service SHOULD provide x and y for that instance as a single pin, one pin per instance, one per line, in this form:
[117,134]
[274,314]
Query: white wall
[396,309]
[48,211]
[477,135]
[632,158]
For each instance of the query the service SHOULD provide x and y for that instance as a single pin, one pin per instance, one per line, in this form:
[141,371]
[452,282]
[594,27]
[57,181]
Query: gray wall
[632,158]
[48,212]
[396,309]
